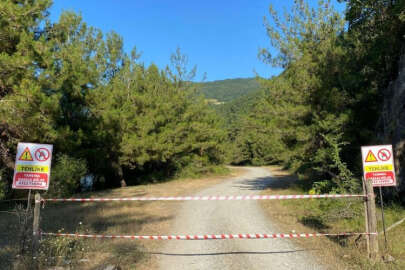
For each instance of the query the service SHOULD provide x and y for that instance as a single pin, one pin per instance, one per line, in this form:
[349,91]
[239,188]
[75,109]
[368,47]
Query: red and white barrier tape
[206,236]
[208,198]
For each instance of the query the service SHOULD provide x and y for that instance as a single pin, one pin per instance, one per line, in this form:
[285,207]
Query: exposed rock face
[393,120]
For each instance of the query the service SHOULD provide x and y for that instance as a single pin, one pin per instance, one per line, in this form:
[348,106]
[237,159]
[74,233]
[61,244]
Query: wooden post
[372,220]
[35,226]
[28,201]
[366,217]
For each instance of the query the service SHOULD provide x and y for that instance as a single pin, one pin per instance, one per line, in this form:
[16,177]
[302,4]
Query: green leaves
[156,122]
[67,84]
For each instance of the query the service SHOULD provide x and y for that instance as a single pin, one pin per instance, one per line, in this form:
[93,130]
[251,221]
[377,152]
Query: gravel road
[216,217]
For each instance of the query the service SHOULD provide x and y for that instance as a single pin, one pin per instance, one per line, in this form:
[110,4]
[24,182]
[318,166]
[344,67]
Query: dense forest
[105,112]
[110,115]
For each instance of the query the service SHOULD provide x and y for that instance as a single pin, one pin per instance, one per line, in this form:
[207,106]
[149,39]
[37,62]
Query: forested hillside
[228,90]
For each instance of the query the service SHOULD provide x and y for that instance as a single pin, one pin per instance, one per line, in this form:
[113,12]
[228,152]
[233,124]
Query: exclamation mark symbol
[26,155]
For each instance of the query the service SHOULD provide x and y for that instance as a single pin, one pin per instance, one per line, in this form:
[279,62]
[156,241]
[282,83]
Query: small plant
[62,251]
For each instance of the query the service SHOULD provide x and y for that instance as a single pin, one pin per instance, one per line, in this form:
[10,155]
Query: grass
[130,218]
[334,215]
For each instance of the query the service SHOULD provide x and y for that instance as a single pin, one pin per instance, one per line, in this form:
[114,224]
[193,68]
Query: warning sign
[32,171]
[26,155]
[378,165]
[384,154]
[42,154]
[370,157]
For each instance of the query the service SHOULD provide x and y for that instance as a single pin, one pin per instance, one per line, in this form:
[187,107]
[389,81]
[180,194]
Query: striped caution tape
[207,198]
[205,236]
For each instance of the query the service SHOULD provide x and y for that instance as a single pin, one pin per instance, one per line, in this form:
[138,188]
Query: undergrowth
[336,216]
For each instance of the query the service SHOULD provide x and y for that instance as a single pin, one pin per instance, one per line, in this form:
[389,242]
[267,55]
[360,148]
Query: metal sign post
[378,168]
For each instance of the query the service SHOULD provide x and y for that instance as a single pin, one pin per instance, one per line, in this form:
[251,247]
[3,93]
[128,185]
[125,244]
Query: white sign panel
[32,166]
[378,165]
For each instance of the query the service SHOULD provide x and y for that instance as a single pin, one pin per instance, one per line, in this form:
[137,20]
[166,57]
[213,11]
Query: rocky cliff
[393,122]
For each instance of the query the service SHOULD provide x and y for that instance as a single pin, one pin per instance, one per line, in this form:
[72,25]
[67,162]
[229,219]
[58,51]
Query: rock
[388,258]
[111,267]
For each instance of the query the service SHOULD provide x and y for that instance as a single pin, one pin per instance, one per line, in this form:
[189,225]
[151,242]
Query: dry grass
[338,253]
[130,218]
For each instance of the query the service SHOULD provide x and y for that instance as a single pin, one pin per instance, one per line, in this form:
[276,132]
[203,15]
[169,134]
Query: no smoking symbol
[42,154]
[384,154]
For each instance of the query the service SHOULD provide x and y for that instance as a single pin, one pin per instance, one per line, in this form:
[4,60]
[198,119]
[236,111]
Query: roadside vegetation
[332,216]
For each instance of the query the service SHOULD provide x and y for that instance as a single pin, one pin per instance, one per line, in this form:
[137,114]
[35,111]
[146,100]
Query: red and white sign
[32,166]
[378,165]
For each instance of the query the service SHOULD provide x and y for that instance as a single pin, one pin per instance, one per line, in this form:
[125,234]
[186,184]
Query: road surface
[233,217]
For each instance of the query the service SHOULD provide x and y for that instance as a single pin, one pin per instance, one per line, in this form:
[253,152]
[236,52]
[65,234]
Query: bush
[66,175]
[2,184]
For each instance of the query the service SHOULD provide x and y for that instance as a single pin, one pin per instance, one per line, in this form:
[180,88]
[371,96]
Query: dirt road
[216,217]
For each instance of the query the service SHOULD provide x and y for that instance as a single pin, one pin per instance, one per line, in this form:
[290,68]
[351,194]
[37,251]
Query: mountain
[228,90]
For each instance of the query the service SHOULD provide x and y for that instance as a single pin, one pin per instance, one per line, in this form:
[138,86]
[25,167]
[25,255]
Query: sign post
[32,171]
[378,168]
[382,216]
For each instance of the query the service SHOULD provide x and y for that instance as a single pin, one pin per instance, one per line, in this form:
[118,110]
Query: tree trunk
[121,176]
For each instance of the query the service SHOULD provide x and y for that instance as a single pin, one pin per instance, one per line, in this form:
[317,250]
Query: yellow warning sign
[26,155]
[32,168]
[370,157]
[376,168]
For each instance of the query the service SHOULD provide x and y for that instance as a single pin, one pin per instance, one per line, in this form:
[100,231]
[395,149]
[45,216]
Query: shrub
[66,175]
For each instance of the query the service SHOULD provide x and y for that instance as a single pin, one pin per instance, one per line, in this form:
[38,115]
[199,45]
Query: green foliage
[2,184]
[66,175]
[310,116]
[156,123]
[67,84]
[228,90]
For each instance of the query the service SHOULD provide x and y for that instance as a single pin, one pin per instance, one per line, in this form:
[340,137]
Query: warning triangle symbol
[370,157]
[26,155]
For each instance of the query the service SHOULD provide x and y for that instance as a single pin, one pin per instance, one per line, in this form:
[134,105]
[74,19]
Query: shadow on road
[262,183]
[227,253]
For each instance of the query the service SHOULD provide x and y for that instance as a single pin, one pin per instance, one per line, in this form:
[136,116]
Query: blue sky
[221,37]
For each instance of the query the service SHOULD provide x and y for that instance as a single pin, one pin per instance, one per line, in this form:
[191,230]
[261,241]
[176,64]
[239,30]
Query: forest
[109,115]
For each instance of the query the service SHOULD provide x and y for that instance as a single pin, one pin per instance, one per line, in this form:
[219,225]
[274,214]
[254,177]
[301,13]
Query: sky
[221,37]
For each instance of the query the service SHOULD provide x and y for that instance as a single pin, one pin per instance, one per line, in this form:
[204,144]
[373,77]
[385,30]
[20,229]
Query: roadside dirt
[216,217]
[129,218]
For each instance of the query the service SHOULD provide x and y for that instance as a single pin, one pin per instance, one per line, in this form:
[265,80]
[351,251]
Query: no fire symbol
[384,154]
[42,154]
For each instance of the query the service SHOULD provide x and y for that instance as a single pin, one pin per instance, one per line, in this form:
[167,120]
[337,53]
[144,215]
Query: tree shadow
[70,217]
[226,253]
[314,222]
[262,183]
